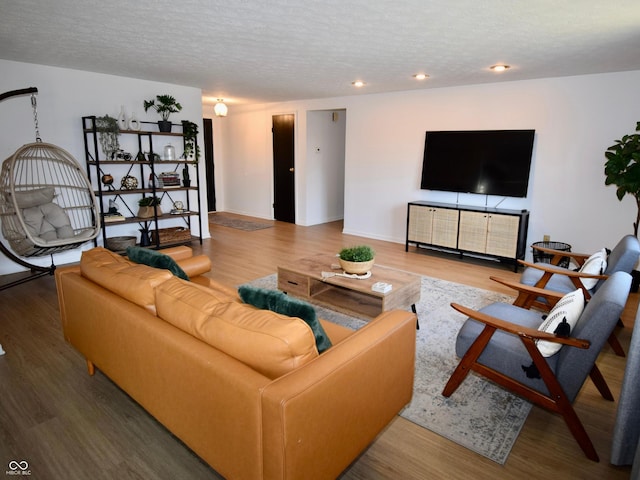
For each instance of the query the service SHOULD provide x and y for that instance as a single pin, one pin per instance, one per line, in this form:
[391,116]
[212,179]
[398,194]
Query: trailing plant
[360,253]
[165,105]
[191,147]
[108,133]
[622,169]
[149,202]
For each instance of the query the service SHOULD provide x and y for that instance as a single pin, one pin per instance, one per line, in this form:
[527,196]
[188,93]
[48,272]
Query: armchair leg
[600,383]
[464,367]
[614,343]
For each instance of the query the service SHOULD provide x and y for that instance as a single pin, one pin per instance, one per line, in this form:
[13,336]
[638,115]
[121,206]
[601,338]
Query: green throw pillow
[279,302]
[155,259]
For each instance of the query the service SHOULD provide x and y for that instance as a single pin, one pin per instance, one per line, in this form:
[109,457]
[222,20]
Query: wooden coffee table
[303,278]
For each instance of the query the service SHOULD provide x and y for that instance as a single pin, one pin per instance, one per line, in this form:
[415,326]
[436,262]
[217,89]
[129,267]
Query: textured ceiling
[276,50]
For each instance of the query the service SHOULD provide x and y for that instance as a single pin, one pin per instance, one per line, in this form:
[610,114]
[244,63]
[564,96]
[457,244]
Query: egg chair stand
[47,204]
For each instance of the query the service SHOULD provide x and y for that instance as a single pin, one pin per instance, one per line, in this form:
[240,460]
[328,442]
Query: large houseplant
[622,169]
[165,105]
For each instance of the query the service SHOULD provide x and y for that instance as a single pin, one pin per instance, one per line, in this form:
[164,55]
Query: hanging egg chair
[47,204]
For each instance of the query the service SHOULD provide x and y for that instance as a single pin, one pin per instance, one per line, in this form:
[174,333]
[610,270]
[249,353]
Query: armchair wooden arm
[574,276]
[519,330]
[557,255]
[527,295]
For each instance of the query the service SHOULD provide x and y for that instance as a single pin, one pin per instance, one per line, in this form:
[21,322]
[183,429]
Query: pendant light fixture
[220,109]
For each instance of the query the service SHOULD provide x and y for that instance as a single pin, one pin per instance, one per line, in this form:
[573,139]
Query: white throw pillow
[570,307]
[596,264]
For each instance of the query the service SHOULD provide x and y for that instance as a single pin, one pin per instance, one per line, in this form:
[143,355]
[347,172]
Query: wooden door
[208,164]
[283,168]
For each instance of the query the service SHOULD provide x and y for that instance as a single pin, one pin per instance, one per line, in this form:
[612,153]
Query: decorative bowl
[357,268]
[120,244]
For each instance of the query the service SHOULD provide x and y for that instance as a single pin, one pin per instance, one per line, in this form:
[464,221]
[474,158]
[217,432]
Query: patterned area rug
[479,415]
[220,218]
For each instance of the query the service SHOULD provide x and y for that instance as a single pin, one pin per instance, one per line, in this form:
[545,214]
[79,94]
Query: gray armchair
[623,258]
[499,342]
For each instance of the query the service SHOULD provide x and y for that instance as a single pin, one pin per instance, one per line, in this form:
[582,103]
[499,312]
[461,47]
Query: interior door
[283,168]
[208,163]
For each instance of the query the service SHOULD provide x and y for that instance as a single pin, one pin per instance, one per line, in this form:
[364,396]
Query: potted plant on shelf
[358,259]
[149,206]
[191,149]
[165,105]
[108,133]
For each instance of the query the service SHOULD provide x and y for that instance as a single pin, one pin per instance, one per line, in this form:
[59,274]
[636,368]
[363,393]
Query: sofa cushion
[279,302]
[131,281]
[270,343]
[155,259]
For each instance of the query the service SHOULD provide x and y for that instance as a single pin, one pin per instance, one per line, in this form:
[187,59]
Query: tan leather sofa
[282,412]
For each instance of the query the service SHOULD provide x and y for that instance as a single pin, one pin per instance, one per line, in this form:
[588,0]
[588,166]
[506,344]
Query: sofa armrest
[195,266]
[320,417]
[178,253]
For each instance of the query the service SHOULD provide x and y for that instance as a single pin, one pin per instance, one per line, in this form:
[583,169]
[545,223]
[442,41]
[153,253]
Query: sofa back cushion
[270,343]
[129,280]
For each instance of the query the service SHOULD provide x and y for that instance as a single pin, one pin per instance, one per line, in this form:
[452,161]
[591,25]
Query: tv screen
[488,162]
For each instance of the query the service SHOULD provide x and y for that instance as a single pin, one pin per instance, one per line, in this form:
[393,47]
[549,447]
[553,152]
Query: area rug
[220,218]
[479,415]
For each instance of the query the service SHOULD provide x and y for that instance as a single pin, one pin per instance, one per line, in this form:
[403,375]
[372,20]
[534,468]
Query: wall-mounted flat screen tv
[488,162]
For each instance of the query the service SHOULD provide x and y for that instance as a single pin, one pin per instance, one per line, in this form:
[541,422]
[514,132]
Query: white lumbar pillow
[596,264]
[569,307]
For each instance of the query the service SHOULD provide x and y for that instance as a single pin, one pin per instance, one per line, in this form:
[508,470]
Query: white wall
[576,119]
[64,96]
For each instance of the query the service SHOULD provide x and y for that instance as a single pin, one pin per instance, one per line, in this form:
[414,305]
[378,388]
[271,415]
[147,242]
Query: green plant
[108,133]
[622,169]
[149,202]
[360,253]
[190,131]
[165,106]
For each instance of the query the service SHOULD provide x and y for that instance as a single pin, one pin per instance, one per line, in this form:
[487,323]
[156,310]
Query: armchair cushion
[569,309]
[596,264]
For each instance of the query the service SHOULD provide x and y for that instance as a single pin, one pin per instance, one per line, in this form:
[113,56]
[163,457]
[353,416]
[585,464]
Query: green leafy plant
[360,253]
[190,131]
[149,202]
[622,169]
[165,105]
[108,133]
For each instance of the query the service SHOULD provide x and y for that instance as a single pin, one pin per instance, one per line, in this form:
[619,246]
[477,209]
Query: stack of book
[168,179]
[113,217]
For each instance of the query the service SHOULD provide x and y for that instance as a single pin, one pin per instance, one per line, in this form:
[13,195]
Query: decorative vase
[169,152]
[122,119]
[145,241]
[134,123]
[164,126]
[358,268]
[186,181]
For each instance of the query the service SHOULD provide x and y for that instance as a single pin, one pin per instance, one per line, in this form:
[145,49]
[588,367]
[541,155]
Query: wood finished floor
[68,425]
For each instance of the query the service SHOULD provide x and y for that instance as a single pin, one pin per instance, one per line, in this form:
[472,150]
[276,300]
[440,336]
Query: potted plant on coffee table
[165,105]
[356,260]
[148,207]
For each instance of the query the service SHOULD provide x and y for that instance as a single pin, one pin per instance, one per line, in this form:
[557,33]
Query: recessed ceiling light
[500,67]
[421,76]
[358,83]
